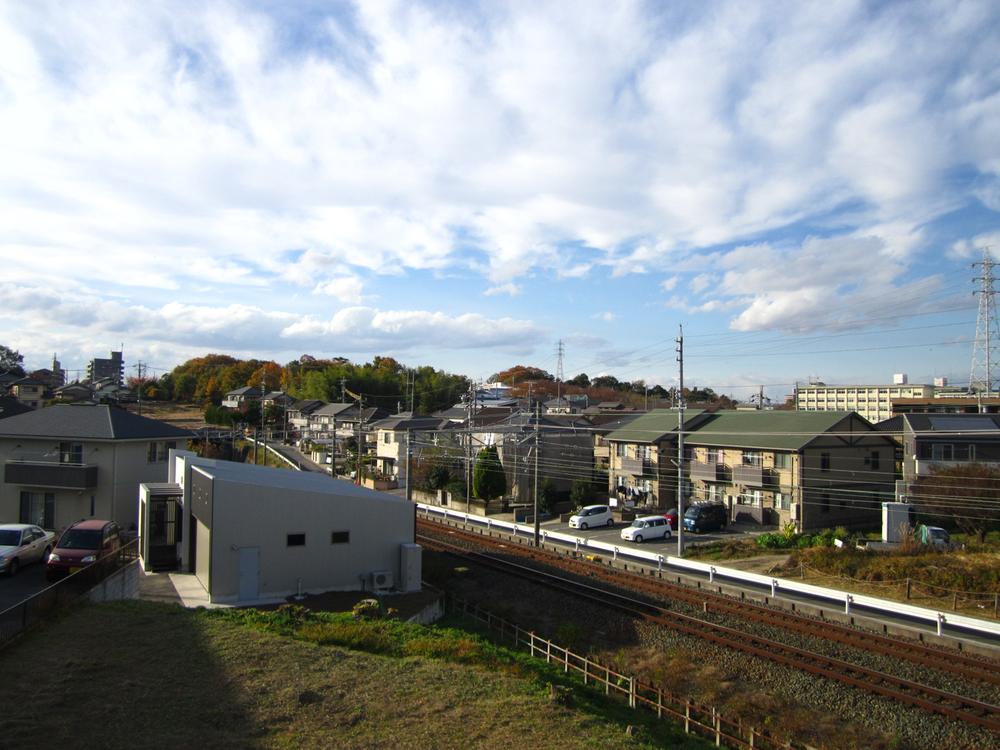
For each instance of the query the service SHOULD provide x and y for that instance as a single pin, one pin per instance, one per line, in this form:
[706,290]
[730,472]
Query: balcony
[708,472]
[49,474]
[753,476]
[636,466]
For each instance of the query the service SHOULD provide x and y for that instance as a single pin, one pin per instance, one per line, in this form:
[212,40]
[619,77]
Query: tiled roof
[652,426]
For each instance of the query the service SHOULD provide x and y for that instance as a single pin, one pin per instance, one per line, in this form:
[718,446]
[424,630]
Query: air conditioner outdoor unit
[381,580]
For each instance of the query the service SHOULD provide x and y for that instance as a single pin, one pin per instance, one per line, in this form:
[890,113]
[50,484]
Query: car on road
[23,543]
[590,516]
[705,517]
[82,544]
[646,528]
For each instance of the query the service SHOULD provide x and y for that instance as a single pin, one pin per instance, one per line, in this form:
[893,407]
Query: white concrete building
[873,402]
[253,532]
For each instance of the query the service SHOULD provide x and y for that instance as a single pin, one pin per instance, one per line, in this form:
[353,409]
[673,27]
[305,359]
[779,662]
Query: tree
[488,478]
[967,495]
[519,374]
[11,361]
[581,491]
[580,380]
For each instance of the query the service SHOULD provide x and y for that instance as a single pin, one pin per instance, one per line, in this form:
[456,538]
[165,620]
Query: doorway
[249,573]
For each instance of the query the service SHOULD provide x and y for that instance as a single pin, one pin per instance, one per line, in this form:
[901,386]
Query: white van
[647,527]
[590,516]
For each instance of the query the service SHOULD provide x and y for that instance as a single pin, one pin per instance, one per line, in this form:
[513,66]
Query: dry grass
[139,674]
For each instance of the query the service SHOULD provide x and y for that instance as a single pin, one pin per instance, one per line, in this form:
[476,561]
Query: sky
[803,186]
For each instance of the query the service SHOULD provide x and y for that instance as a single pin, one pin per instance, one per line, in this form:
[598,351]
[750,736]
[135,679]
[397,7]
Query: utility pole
[413,388]
[560,350]
[680,443]
[536,475]
[983,355]
[468,447]
[263,434]
[138,387]
[343,390]
[408,464]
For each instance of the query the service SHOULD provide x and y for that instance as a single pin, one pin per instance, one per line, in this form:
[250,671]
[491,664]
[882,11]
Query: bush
[449,649]
[581,491]
[363,635]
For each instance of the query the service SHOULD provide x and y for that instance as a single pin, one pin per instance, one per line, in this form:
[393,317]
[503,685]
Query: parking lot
[612,535]
[28,581]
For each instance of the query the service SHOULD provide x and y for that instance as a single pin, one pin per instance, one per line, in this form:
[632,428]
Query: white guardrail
[941,621]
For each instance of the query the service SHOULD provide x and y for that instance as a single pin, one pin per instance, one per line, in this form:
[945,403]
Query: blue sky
[803,186]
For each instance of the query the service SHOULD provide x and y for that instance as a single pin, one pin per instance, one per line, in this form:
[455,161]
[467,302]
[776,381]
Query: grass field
[140,674]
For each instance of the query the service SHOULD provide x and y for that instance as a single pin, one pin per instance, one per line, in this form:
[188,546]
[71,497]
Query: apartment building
[873,402]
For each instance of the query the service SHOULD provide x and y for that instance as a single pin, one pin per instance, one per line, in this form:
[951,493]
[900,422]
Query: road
[29,580]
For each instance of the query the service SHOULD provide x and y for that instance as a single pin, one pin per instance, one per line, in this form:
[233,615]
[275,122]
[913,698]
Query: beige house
[68,462]
[818,470]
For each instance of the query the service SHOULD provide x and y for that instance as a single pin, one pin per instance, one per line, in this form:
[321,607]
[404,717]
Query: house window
[751,458]
[386,438]
[942,452]
[620,450]
[749,497]
[151,454]
[715,456]
[647,452]
[296,540]
[874,460]
[38,508]
[715,493]
[70,453]
[824,462]
[340,537]
[782,500]
[782,460]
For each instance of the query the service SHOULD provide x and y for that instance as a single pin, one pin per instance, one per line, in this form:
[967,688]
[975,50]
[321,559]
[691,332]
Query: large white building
[873,402]
[253,532]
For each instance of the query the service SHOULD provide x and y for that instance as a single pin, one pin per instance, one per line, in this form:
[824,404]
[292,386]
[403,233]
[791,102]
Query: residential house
[643,458]
[603,425]
[241,398]
[298,416]
[394,437]
[73,393]
[69,462]
[323,422]
[562,445]
[29,392]
[814,469]
[929,442]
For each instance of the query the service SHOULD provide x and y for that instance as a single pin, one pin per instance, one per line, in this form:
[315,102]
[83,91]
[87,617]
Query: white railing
[940,621]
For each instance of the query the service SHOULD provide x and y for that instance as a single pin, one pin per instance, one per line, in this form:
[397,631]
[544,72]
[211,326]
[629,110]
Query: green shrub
[363,635]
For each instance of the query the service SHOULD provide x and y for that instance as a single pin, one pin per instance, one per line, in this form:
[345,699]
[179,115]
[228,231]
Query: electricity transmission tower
[984,348]
[560,351]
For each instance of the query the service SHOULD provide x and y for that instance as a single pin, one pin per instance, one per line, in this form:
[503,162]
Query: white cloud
[346,289]
[388,144]
[668,285]
[606,316]
[510,288]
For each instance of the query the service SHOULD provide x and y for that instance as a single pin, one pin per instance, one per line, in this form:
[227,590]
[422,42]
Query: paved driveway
[29,580]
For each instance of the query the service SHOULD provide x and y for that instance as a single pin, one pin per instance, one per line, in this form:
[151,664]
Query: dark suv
[82,544]
[705,517]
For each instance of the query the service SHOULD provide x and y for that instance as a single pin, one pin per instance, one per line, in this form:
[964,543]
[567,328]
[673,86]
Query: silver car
[23,543]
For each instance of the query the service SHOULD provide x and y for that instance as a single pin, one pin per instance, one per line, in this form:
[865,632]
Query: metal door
[249,573]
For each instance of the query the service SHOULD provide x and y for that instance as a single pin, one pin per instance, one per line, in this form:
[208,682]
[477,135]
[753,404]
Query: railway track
[948,661]
[943,703]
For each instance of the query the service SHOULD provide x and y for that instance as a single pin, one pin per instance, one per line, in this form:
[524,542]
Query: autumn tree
[966,495]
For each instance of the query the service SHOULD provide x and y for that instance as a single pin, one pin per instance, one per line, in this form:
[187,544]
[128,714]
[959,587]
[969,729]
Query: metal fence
[695,718]
[29,612]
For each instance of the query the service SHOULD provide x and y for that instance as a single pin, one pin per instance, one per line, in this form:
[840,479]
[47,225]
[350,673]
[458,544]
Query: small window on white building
[340,537]
[296,540]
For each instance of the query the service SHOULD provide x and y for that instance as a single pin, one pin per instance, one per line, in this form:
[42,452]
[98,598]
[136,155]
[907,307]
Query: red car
[671,515]
[82,544]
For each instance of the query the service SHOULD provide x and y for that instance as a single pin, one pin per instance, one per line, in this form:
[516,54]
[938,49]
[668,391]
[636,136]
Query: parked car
[647,527]
[82,544]
[591,515]
[705,517]
[23,543]
[671,515]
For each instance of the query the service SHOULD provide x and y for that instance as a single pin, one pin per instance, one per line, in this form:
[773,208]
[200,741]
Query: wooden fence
[697,719]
